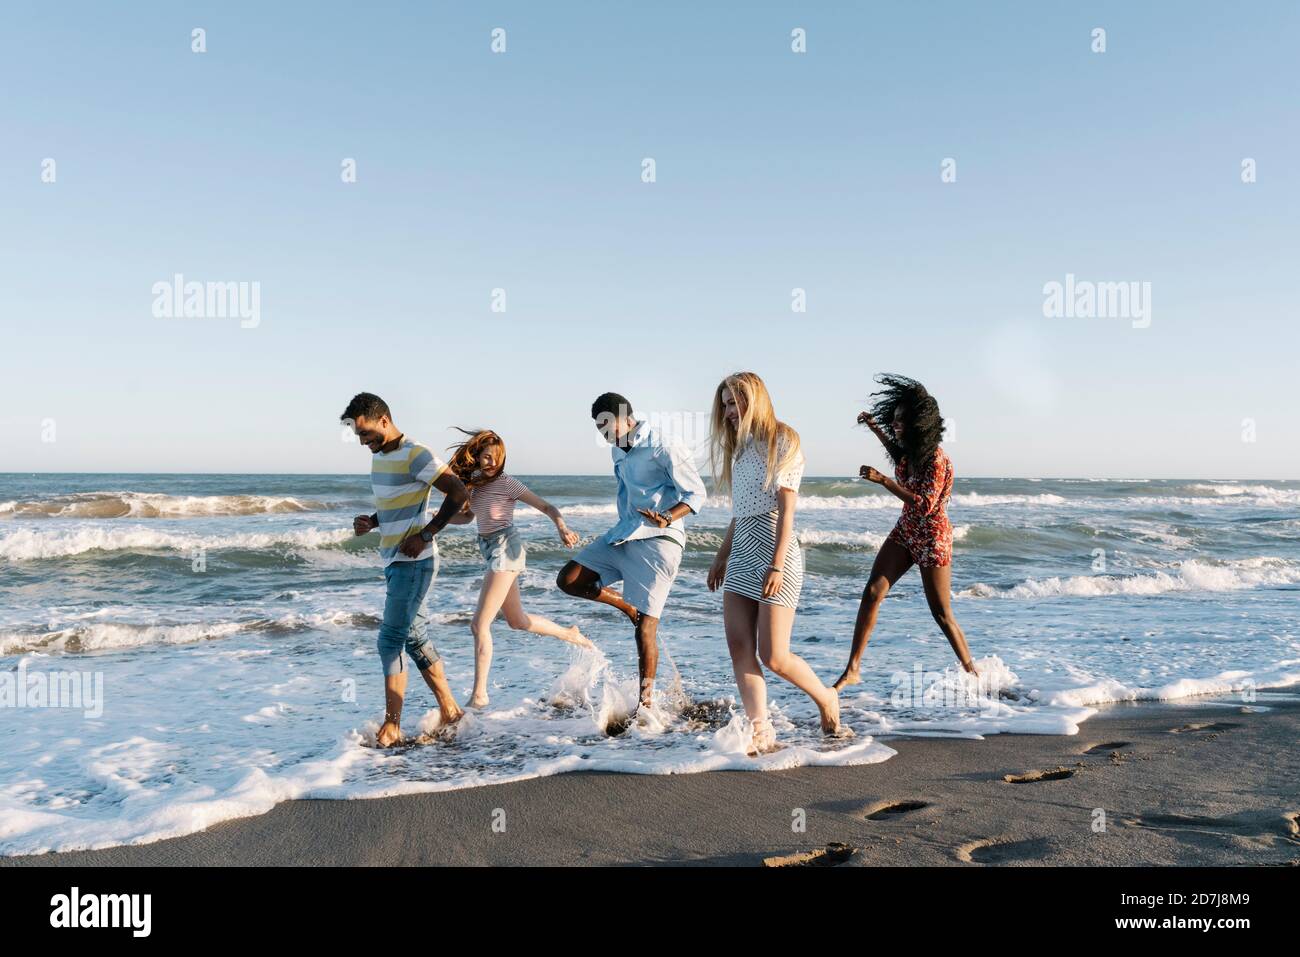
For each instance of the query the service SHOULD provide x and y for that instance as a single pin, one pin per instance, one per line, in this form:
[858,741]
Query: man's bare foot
[969,665]
[450,716]
[389,735]
[850,677]
[478,700]
[830,710]
[575,637]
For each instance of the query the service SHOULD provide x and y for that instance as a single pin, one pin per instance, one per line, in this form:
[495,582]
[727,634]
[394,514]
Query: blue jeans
[406,618]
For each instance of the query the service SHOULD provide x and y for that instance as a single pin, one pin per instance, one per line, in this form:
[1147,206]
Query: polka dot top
[749,473]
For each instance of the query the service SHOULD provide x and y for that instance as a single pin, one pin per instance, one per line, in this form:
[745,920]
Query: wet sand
[1198,782]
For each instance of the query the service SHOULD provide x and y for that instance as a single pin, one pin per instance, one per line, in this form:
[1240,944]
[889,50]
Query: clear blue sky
[775,170]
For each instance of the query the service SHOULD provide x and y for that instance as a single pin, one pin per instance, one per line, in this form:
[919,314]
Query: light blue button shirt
[653,473]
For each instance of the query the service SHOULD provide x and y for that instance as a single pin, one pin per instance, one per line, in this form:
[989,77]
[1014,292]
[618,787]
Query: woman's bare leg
[938,587]
[740,621]
[520,620]
[892,561]
[775,623]
[491,596]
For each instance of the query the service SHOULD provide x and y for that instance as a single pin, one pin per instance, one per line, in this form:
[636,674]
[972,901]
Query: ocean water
[229,622]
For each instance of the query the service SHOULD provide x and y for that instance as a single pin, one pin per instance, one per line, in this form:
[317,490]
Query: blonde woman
[760,566]
[480,462]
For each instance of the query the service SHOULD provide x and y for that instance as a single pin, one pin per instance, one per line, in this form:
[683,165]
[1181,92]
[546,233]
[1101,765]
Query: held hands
[362,524]
[871,475]
[570,538]
[658,519]
[412,546]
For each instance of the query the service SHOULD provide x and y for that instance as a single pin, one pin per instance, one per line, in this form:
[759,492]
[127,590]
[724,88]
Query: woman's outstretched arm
[528,497]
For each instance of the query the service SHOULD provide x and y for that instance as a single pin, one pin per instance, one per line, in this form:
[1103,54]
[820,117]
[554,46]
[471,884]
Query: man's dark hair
[610,404]
[365,404]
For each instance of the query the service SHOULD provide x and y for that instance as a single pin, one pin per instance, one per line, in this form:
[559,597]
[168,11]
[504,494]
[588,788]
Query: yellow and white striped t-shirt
[401,480]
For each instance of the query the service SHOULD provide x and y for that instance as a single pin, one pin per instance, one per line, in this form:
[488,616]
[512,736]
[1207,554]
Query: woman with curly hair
[480,462]
[759,565]
[923,535]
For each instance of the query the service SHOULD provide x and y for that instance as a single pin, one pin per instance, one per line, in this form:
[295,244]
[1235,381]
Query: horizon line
[1037,478]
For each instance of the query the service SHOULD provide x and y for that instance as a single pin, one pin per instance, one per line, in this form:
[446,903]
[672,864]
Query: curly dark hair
[922,423]
[365,404]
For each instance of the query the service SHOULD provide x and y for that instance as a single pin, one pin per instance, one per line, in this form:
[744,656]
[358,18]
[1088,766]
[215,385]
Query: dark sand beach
[1199,782]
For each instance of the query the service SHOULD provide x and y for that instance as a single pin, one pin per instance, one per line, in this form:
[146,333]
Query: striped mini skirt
[753,545]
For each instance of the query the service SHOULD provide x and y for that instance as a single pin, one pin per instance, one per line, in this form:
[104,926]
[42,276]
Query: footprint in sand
[1194,821]
[1109,747]
[1034,777]
[891,810]
[999,851]
[1265,825]
[832,855]
[1206,728]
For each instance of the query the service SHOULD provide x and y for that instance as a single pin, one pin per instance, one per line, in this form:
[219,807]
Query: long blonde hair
[757,420]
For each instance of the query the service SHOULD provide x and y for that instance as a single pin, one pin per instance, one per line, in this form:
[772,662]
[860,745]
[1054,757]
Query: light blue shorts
[503,550]
[645,566]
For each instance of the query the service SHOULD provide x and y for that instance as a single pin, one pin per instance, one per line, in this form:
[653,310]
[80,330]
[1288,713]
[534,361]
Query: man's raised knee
[567,579]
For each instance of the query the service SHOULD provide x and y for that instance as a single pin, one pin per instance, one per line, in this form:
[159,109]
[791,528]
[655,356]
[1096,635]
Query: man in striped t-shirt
[401,476]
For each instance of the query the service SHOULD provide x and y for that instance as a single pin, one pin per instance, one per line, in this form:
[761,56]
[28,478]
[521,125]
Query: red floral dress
[923,528]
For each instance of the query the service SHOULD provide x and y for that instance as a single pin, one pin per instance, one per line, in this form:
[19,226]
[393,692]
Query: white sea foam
[1220,489]
[590,508]
[27,543]
[98,636]
[1103,690]
[978,500]
[814,537]
[875,501]
[125,775]
[1193,575]
[1240,496]
[155,505]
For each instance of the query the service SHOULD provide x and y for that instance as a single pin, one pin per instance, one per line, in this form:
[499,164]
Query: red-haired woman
[480,462]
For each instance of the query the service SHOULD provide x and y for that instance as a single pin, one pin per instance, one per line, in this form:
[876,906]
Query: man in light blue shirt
[658,485]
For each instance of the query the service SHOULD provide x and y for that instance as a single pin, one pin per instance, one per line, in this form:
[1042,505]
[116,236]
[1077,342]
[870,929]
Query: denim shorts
[406,618]
[645,566]
[503,550]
